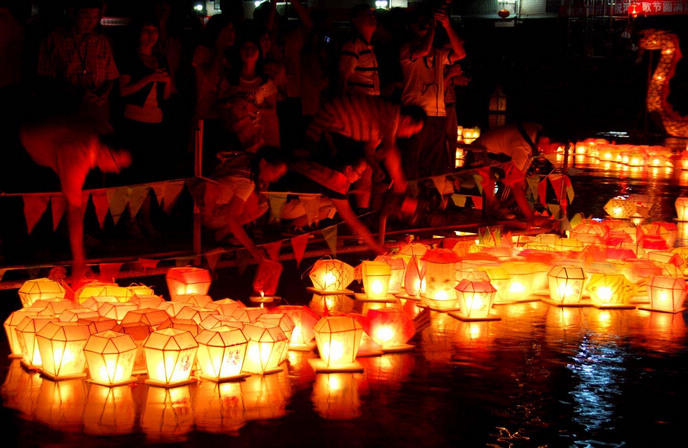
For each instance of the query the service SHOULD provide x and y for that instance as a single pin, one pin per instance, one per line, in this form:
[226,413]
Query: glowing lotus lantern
[146,301]
[116,310]
[40,288]
[376,275]
[304,320]
[151,316]
[10,325]
[74,314]
[221,353]
[331,276]
[666,294]
[391,329]
[224,306]
[475,300]
[413,278]
[619,208]
[61,345]
[110,357]
[338,339]
[170,354]
[265,347]
[26,333]
[398,268]
[566,285]
[440,279]
[681,205]
[610,291]
[187,280]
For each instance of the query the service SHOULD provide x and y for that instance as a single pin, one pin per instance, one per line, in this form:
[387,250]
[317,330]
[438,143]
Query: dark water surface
[540,377]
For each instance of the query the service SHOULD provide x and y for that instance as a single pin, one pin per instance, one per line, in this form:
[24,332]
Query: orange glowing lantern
[566,285]
[440,279]
[335,396]
[92,289]
[61,345]
[122,293]
[189,325]
[413,278]
[216,320]
[224,306]
[304,320]
[283,321]
[26,333]
[398,268]
[331,276]
[195,314]
[147,301]
[170,354]
[266,344]
[338,339]
[221,353]
[54,307]
[95,302]
[10,325]
[40,288]
[475,300]
[666,294]
[391,329]
[74,314]
[98,324]
[409,250]
[521,283]
[116,310]
[610,291]
[110,358]
[376,275]
[248,314]
[139,332]
[620,208]
[681,205]
[187,280]
[265,281]
[197,300]
[151,316]
[172,308]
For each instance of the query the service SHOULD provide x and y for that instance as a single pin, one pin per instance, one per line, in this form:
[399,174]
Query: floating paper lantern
[619,208]
[10,325]
[172,308]
[610,291]
[187,280]
[74,314]
[440,279]
[110,358]
[151,316]
[116,310]
[682,208]
[330,275]
[398,268]
[54,307]
[147,301]
[390,328]
[197,300]
[95,303]
[409,250]
[139,332]
[61,345]
[221,353]
[122,293]
[248,314]
[216,320]
[224,306]
[170,355]
[566,285]
[285,323]
[304,320]
[99,324]
[92,289]
[338,339]
[413,278]
[189,325]
[475,300]
[195,314]
[26,333]
[40,288]
[265,347]
[666,294]
[376,277]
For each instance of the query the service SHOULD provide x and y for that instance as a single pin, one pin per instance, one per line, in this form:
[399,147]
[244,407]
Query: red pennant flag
[212,257]
[330,235]
[34,207]
[298,244]
[109,271]
[101,204]
[147,263]
[273,249]
[58,204]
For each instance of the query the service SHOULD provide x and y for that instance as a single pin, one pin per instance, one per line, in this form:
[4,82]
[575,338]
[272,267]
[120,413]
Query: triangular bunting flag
[147,263]
[542,191]
[273,249]
[109,271]
[566,224]
[58,205]
[477,202]
[118,200]
[577,219]
[183,261]
[242,259]
[330,235]
[298,244]
[569,189]
[277,201]
[34,207]
[442,186]
[312,207]
[101,204]
[137,195]
[459,200]
[554,209]
[212,257]
[171,194]
[533,182]
[159,190]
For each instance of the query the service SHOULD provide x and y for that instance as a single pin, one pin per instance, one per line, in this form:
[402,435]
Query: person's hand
[160,75]
[443,19]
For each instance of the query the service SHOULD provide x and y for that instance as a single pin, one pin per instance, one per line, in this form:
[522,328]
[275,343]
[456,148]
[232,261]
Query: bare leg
[75,220]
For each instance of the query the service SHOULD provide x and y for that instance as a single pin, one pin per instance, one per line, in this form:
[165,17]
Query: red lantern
[391,329]
[266,280]
[187,280]
[503,13]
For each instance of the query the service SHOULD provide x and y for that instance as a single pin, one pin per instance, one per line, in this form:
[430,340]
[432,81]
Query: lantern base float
[618,306]
[408,297]
[465,318]
[647,308]
[302,347]
[320,292]
[29,367]
[368,353]
[513,302]
[155,383]
[13,356]
[641,300]
[363,297]
[119,383]
[228,379]
[264,299]
[321,366]
[52,377]
[567,305]
[266,372]
[398,348]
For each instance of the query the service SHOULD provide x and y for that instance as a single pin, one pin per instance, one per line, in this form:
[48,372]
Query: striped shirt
[358,61]
[359,117]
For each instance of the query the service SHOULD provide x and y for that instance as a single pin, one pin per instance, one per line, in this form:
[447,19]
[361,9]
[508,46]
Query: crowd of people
[298,104]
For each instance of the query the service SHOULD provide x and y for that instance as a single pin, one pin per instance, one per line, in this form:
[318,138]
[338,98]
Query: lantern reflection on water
[335,396]
[40,288]
[340,303]
[61,404]
[475,301]
[187,280]
[168,414]
[331,276]
[219,407]
[110,357]
[109,411]
[666,294]
[566,286]
[221,353]
[266,396]
[265,347]
[338,339]
[61,345]
[681,205]
[170,354]
[21,390]
[26,333]
[10,325]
